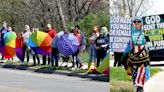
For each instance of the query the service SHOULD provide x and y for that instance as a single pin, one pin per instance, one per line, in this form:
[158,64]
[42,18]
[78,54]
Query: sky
[157,7]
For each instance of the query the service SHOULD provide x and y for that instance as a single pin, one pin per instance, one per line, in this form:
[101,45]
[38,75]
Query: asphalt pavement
[26,81]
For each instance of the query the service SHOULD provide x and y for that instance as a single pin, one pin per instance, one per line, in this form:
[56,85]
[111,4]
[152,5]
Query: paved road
[26,81]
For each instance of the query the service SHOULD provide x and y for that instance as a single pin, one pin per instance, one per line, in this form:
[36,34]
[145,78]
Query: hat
[104,29]
[138,18]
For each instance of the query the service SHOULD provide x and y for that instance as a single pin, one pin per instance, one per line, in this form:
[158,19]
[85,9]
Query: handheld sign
[120,33]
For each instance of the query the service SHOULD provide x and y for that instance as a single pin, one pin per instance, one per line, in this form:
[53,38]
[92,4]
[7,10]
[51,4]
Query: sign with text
[120,33]
[154,31]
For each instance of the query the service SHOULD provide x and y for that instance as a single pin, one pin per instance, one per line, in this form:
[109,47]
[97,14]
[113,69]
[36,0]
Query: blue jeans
[92,53]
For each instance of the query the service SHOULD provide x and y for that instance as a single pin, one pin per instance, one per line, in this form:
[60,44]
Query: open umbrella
[9,44]
[67,44]
[40,43]
[19,47]
[104,66]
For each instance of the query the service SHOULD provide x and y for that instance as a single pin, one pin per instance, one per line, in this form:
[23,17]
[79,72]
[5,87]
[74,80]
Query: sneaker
[80,65]
[140,89]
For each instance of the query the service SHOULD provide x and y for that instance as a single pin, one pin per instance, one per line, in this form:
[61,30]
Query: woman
[92,49]
[25,36]
[101,44]
[137,63]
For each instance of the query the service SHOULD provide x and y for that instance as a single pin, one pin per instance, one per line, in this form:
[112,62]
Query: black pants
[100,55]
[44,59]
[26,51]
[117,58]
[34,59]
[55,56]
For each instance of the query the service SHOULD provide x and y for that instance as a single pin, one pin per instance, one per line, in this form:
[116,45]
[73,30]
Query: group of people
[99,44]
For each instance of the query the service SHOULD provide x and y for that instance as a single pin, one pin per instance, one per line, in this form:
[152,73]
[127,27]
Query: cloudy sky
[157,7]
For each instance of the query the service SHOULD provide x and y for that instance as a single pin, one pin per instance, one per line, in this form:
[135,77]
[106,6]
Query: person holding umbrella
[75,55]
[52,33]
[35,56]
[55,52]
[3,30]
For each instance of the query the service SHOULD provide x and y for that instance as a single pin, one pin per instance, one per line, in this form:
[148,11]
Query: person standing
[10,29]
[3,30]
[35,56]
[137,63]
[92,49]
[101,44]
[52,33]
[55,52]
[75,55]
[83,44]
[25,34]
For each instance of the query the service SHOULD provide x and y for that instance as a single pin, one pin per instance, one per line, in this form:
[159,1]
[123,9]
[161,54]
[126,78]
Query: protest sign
[120,33]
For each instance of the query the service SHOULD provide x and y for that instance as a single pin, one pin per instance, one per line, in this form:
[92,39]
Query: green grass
[11,62]
[119,73]
[121,82]
[121,86]
[85,57]
[153,71]
[80,70]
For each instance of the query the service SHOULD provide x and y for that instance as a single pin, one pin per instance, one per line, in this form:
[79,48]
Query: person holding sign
[136,58]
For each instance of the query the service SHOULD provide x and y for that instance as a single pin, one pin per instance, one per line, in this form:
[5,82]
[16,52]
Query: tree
[129,7]
[37,13]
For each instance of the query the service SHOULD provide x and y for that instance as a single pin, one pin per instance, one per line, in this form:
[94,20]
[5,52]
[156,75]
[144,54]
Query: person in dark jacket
[101,44]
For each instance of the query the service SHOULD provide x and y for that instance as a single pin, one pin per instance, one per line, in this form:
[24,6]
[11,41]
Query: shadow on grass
[45,69]
[19,67]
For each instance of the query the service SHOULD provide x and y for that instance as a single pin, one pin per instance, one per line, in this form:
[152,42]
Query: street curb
[95,77]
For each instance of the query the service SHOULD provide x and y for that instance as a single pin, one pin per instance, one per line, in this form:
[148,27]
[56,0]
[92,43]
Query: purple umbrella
[67,44]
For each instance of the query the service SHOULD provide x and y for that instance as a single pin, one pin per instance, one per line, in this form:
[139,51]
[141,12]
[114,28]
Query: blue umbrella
[67,44]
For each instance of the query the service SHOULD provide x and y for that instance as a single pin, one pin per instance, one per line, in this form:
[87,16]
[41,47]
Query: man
[52,33]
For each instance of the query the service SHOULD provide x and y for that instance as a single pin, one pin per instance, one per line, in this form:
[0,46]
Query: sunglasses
[137,21]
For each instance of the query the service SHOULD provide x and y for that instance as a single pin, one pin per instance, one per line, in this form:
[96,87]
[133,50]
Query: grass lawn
[121,82]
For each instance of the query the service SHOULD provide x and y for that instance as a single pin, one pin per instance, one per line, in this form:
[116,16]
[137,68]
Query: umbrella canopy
[67,44]
[104,66]
[19,47]
[9,44]
[40,43]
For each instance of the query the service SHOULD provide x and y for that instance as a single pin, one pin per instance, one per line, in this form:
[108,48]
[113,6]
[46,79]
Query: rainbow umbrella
[19,47]
[40,43]
[9,44]
[104,66]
